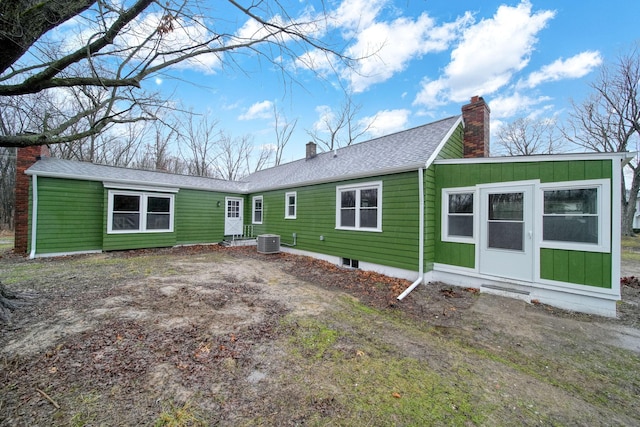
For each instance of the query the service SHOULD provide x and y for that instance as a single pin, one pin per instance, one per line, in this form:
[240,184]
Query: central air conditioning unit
[268,243]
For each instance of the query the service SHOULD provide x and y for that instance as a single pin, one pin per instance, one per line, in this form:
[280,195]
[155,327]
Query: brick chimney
[311,150]
[27,156]
[476,128]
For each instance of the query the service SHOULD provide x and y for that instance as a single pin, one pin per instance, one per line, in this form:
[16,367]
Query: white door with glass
[233,221]
[506,232]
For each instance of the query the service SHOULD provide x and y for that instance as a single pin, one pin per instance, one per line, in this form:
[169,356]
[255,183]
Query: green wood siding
[585,268]
[198,218]
[70,216]
[458,254]
[111,242]
[588,268]
[453,148]
[464,175]
[395,246]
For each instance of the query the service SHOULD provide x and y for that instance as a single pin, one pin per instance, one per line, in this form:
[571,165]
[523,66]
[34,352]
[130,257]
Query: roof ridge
[338,149]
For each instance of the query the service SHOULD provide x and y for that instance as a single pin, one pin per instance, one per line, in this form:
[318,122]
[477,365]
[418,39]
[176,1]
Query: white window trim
[603,187]
[143,211]
[286,205]
[253,209]
[444,236]
[358,188]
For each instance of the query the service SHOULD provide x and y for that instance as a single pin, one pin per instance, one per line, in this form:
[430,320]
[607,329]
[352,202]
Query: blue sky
[423,61]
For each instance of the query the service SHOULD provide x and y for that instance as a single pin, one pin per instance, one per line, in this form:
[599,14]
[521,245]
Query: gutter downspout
[34,215]
[420,238]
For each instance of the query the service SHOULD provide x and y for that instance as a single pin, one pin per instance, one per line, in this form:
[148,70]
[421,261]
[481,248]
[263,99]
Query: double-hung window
[290,205]
[359,207]
[257,210]
[139,212]
[576,215]
[458,207]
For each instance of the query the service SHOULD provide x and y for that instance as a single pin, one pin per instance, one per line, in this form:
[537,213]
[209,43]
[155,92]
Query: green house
[426,204]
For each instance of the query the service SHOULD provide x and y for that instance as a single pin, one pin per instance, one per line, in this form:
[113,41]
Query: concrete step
[506,291]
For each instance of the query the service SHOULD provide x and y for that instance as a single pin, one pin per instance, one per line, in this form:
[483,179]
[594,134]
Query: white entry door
[233,221]
[506,232]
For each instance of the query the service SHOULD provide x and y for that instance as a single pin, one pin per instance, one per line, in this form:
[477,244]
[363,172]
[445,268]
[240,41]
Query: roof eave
[241,188]
[536,158]
[367,174]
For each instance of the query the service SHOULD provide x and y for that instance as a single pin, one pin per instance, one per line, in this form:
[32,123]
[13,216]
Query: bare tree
[157,153]
[609,121]
[261,160]
[283,129]
[339,128]
[118,143]
[527,136]
[7,186]
[232,163]
[199,138]
[119,44]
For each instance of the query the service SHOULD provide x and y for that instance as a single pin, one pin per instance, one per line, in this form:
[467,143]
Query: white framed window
[576,215]
[256,217]
[459,206]
[359,207]
[290,205]
[139,212]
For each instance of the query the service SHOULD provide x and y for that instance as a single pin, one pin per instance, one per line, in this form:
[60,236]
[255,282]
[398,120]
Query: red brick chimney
[27,156]
[476,128]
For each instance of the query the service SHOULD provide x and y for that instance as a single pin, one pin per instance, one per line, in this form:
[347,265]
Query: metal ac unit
[268,243]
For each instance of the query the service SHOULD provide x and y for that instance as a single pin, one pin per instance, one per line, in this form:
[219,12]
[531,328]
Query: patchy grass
[311,338]
[6,241]
[179,416]
[631,248]
[54,272]
[204,339]
[357,379]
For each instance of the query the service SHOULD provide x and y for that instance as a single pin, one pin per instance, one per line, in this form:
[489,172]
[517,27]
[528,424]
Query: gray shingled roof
[49,166]
[401,151]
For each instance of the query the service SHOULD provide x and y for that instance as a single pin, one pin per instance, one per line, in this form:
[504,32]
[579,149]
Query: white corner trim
[442,143]
[34,216]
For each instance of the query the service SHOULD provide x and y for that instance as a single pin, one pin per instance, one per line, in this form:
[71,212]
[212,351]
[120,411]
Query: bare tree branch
[123,43]
[609,121]
[527,136]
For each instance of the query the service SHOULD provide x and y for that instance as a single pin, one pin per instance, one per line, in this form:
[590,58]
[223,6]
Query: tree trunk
[10,301]
[629,204]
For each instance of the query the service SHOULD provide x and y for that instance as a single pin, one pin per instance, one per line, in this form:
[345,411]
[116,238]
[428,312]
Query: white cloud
[385,48]
[514,105]
[317,60]
[572,68]
[306,23]
[488,55]
[259,110]
[352,15]
[325,115]
[385,122]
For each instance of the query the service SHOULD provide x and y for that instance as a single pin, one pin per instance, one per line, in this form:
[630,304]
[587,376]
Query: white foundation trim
[61,254]
[585,299]
[366,266]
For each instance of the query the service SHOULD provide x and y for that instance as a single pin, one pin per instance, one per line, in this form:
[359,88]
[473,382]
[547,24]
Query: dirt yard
[216,336]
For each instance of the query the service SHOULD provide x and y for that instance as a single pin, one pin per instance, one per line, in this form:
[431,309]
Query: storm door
[506,232]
